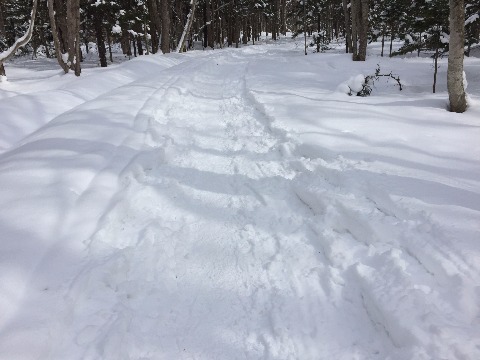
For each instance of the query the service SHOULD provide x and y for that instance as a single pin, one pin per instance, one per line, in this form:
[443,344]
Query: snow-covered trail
[203,251]
[188,215]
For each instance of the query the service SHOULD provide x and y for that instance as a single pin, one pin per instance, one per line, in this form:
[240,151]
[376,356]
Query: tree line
[63,29]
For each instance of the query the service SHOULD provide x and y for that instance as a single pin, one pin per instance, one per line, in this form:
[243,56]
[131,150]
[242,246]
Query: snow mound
[353,85]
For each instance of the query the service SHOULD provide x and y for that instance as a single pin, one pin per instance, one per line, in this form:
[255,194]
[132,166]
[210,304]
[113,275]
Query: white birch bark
[22,41]
[188,25]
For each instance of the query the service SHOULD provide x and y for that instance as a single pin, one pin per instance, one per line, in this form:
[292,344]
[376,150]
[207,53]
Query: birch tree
[188,26]
[22,41]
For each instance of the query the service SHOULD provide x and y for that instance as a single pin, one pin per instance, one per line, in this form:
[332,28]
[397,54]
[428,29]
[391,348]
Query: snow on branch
[472,19]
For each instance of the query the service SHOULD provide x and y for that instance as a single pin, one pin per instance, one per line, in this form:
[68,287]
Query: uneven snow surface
[233,204]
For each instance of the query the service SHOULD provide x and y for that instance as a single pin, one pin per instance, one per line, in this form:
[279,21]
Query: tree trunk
[456,90]
[435,71]
[109,42]
[125,41]
[85,36]
[2,19]
[66,36]
[360,29]
[73,38]
[245,32]
[305,27]
[211,27]
[283,17]
[61,26]
[236,29]
[56,37]
[138,40]
[165,11]
[145,38]
[254,28]
[154,23]
[383,41]
[355,28]
[188,26]
[392,36]
[78,52]
[102,51]
[363,35]
[229,26]
[205,25]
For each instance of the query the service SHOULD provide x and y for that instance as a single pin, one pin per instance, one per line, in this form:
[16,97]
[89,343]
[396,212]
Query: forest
[65,28]
[239,179]
[149,26]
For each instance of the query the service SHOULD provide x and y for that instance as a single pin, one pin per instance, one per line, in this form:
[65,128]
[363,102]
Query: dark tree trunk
[211,27]
[126,48]
[138,40]
[436,68]
[245,33]
[230,25]
[2,19]
[363,35]
[62,27]
[154,24]
[85,37]
[236,30]
[355,28]
[205,24]
[56,35]
[109,42]
[383,41]
[102,52]
[165,13]
[283,17]
[360,10]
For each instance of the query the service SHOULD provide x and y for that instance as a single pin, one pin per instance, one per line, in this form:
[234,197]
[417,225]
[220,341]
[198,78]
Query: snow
[116,29]
[65,57]
[233,204]
[356,83]
[472,19]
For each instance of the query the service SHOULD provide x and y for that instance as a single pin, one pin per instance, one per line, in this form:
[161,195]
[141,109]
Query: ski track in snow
[205,234]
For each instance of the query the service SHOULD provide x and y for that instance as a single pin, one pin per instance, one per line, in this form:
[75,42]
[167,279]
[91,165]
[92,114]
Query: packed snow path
[186,220]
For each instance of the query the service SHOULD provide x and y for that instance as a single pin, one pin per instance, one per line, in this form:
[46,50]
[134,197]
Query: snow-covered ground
[235,204]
